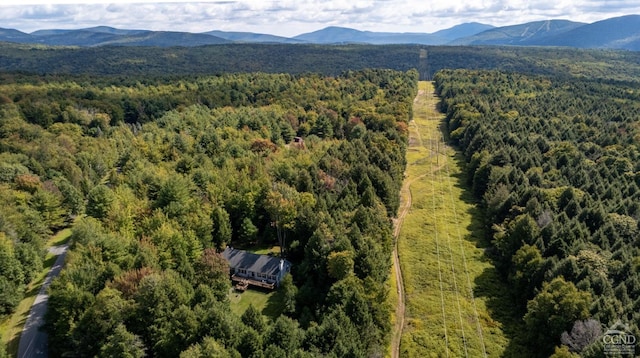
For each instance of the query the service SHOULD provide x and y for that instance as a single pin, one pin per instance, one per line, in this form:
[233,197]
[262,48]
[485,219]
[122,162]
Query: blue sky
[293,17]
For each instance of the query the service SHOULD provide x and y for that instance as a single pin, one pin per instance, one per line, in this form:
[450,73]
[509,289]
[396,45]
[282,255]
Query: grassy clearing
[440,254]
[59,238]
[11,326]
[265,250]
[269,303]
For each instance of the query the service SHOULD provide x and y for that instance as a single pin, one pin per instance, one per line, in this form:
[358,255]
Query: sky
[293,17]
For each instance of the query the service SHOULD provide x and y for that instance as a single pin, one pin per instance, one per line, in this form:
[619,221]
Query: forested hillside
[555,162]
[164,173]
[125,62]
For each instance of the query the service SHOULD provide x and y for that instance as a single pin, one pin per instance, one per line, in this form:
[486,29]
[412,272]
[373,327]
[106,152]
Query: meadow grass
[59,238]
[269,303]
[265,250]
[440,249]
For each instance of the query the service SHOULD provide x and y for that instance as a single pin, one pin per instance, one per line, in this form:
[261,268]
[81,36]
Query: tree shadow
[501,308]
[34,287]
[490,284]
[12,346]
[275,305]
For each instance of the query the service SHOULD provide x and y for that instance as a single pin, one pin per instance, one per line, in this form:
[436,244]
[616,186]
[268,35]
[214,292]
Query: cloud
[292,17]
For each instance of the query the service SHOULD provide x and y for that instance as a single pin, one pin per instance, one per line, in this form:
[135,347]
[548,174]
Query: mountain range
[614,33]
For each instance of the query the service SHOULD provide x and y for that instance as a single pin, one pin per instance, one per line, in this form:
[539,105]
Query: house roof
[253,262]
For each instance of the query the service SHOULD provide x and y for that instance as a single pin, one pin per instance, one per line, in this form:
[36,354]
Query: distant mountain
[104,35]
[523,34]
[50,32]
[616,33]
[97,29]
[11,35]
[74,38]
[165,39]
[335,35]
[114,31]
[251,37]
[462,30]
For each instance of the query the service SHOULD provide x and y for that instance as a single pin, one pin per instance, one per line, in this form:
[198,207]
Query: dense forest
[555,163]
[159,175]
[160,157]
[331,60]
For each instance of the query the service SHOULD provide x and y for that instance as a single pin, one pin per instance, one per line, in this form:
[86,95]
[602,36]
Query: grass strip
[442,206]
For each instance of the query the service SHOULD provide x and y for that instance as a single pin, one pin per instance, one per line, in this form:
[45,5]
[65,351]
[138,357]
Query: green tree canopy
[553,311]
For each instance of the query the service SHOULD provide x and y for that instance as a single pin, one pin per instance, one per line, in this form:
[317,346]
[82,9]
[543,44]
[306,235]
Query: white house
[258,270]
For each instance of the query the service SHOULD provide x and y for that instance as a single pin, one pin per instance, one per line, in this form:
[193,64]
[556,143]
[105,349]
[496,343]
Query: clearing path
[33,341]
[405,194]
[438,310]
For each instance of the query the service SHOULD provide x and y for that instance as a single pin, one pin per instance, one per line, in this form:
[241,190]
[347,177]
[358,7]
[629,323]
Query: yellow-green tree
[283,204]
[553,311]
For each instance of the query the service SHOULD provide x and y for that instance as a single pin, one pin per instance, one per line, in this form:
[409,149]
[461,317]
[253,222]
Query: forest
[144,62]
[555,164]
[159,158]
[158,175]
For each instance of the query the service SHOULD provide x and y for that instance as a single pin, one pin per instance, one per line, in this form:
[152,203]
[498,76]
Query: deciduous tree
[554,310]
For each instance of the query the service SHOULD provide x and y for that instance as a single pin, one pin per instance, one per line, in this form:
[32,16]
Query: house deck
[262,283]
